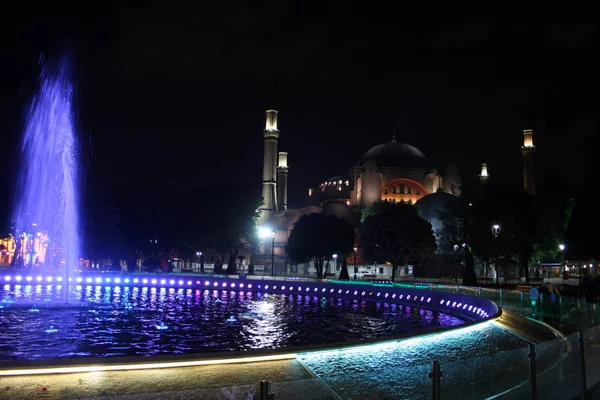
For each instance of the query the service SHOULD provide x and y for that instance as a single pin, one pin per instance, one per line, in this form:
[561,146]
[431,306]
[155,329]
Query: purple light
[98,280]
[224,284]
[442,302]
[283,288]
[339,291]
[88,280]
[386,295]
[355,292]
[163,281]
[59,279]
[18,278]
[79,279]
[39,279]
[7,278]
[189,283]
[323,291]
[378,294]
[428,299]
[107,280]
[206,283]
[266,286]
[28,279]
[216,284]
[242,285]
[394,296]
[233,285]
[347,291]
[153,281]
[307,289]
[249,286]
[299,288]
[422,298]
[274,287]
[49,279]
[171,282]
[362,294]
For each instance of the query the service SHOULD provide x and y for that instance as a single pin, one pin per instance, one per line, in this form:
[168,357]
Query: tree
[398,235]
[316,237]
[232,221]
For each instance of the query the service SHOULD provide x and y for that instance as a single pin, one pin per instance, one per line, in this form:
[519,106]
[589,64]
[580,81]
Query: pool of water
[103,321]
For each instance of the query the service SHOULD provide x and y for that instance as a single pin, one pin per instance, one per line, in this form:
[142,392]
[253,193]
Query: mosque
[392,171]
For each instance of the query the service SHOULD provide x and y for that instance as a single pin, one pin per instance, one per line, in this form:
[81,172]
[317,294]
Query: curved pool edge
[454,304]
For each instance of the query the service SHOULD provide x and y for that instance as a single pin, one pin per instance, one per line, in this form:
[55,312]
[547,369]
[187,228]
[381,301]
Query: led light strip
[215,285]
[141,366]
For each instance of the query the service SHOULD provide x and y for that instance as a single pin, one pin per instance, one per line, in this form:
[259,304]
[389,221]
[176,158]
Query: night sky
[172,97]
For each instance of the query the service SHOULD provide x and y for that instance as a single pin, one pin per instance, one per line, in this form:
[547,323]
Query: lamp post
[263,234]
[201,261]
[496,232]
[334,264]
[456,263]
[355,267]
[273,233]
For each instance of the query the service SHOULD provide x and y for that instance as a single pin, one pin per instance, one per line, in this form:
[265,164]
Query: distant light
[7,278]
[561,247]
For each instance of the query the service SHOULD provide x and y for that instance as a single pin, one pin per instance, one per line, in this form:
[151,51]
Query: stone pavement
[226,381]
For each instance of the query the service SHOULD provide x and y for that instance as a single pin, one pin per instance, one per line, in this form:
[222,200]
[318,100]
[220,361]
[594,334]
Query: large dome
[395,154]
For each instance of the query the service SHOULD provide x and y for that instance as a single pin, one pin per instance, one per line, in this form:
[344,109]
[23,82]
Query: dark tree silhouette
[398,235]
[316,237]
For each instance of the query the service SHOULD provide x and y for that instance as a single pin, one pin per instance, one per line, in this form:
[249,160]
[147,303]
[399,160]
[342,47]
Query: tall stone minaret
[484,176]
[528,150]
[282,179]
[269,182]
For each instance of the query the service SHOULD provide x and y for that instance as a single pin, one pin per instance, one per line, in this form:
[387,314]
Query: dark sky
[173,96]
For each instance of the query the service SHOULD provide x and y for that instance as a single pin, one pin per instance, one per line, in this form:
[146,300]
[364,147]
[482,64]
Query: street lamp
[334,264]
[263,234]
[355,267]
[201,261]
[273,233]
[456,263]
[496,232]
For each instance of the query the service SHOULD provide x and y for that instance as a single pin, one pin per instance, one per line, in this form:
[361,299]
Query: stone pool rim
[269,286]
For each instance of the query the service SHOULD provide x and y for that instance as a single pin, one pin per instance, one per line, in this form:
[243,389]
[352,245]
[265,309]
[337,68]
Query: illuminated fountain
[46,196]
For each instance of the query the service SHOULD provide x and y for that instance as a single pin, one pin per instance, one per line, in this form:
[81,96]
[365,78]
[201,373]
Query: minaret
[269,183]
[282,178]
[528,151]
[483,176]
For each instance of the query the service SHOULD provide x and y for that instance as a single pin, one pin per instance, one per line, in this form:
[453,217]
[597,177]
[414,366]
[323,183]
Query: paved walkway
[227,381]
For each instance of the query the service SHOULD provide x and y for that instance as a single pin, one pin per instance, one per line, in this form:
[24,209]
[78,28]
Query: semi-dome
[395,154]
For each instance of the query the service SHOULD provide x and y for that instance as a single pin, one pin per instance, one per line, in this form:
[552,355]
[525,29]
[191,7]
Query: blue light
[180,282]
[153,281]
[233,285]
[117,280]
[171,282]
[206,283]
[189,283]
[51,329]
[242,285]
[126,280]
[49,279]
[249,286]
[163,281]
[88,280]
[266,286]
[98,280]
[216,284]
[18,278]
[39,279]
[7,278]
[224,284]
[79,279]
[162,326]
[107,280]
[28,279]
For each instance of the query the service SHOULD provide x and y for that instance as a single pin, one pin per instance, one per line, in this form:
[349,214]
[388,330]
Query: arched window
[402,188]
[385,190]
[409,189]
